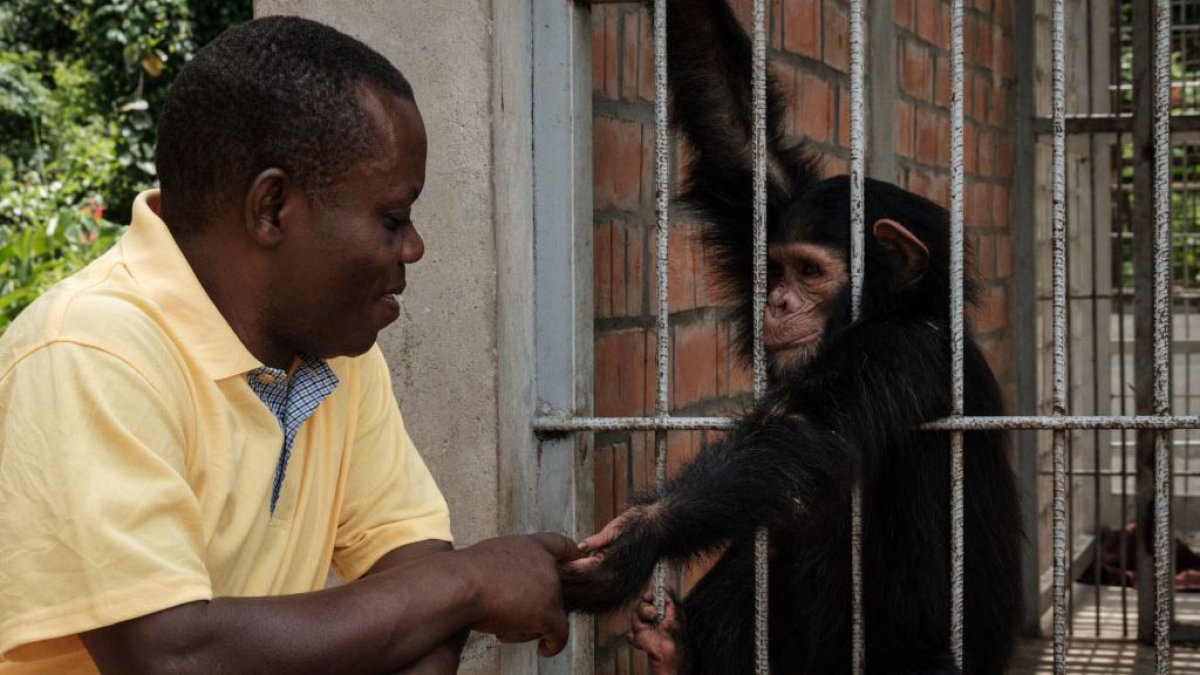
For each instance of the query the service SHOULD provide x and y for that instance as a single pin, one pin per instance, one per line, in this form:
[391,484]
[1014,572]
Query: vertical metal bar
[1094,237]
[857,226]
[956,329]
[1164,580]
[762,664]
[662,195]
[1144,276]
[1059,230]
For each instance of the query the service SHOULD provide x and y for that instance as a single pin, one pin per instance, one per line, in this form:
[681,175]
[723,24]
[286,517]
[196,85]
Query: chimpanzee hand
[662,640]
[620,558]
[520,598]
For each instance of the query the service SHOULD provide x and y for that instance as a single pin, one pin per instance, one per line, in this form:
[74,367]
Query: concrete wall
[443,348]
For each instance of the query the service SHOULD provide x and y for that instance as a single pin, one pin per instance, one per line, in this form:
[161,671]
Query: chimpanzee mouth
[805,340]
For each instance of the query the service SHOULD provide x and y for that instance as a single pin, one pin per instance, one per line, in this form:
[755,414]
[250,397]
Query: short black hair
[273,92]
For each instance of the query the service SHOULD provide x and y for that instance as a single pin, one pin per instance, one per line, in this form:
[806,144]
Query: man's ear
[268,202]
[911,255]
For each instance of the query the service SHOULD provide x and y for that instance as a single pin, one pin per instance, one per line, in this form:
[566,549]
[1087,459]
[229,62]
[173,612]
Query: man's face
[343,262]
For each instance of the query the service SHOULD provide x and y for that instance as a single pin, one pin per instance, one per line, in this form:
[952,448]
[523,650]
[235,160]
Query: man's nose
[413,248]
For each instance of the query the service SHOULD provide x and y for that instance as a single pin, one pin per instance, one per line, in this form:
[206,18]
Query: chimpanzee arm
[771,470]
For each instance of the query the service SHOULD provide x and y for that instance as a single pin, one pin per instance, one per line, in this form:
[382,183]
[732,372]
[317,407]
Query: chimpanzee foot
[662,640]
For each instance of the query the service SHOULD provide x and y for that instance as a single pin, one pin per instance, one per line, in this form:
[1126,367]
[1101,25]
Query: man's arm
[382,622]
[446,656]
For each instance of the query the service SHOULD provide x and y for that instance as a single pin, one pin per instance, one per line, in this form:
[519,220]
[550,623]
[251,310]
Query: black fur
[854,409]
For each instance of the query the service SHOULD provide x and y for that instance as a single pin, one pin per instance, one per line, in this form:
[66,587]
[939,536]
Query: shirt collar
[163,273]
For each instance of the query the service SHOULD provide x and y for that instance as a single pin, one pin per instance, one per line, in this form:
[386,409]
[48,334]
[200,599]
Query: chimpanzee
[845,400]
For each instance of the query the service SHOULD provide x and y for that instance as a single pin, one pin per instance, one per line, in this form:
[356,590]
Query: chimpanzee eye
[810,270]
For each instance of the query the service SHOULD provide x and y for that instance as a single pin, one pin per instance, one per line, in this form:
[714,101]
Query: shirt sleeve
[98,523]
[390,497]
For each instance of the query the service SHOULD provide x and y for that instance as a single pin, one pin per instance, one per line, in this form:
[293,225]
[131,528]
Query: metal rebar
[1059,229]
[558,424]
[1164,581]
[762,664]
[858,143]
[956,329]
[662,194]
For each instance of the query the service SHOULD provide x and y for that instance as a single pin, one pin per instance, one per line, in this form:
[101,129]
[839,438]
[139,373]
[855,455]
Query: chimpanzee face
[344,257]
[804,282]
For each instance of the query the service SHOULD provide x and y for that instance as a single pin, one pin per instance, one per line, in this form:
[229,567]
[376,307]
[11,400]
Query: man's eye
[397,223]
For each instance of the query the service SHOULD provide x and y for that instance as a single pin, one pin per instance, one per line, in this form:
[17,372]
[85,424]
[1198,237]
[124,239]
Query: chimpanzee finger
[647,612]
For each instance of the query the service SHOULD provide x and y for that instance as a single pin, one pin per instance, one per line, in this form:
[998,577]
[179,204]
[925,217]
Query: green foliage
[81,85]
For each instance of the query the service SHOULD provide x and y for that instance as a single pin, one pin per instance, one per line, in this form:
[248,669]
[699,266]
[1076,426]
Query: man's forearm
[380,623]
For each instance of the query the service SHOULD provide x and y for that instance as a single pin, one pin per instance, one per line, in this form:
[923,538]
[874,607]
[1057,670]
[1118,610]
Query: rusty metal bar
[560,424]
[1110,123]
[662,223]
[1059,230]
[762,664]
[1164,578]
[858,143]
[956,330]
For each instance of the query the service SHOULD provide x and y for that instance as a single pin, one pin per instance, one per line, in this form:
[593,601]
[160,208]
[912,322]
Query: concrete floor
[1109,652]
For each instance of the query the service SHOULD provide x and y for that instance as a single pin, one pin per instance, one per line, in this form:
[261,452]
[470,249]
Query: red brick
[775,24]
[1004,162]
[814,114]
[993,310]
[941,81]
[617,162]
[635,265]
[1000,205]
[904,128]
[844,105]
[682,447]
[837,36]
[630,32]
[603,472]
[741,378]
[918,183]
[970,147]
[998,115]
[981,200]
[598,45]
[927,135]
[904,13]
[802,27]
[1004,257]
[695,363]
[647,167]
[987,153]
[985,257]
[915,76]
[927,20]
[1005,57]
[939,189]
[602,269]
[681,270]
[785,78]
[620,277]
[943,140]
[620,373]
[611,82]
[983,46]
[646,58]
[743,10]
[983,5]
[980,101]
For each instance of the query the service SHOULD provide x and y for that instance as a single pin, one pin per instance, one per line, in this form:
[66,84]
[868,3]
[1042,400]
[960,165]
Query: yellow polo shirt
[136,463]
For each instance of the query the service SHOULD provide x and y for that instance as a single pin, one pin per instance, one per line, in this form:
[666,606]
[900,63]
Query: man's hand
[518,588]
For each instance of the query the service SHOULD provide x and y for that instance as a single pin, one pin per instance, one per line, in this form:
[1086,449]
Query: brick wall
[809,51]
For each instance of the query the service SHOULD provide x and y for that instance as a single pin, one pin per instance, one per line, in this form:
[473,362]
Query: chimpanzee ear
[908,251]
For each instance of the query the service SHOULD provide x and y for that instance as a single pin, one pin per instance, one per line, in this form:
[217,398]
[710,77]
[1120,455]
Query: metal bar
[1164,579]
[1110,123]
[560,424]
[956,329]
[762,664]
[1113,473]
[1094,241]
[1142,47]
[662,194]
[1059,229]
[858,648]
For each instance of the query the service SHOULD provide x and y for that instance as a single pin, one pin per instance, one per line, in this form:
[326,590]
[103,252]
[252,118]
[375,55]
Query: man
[195,427]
